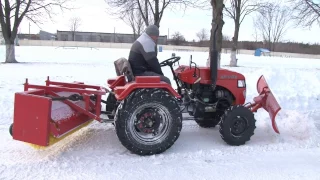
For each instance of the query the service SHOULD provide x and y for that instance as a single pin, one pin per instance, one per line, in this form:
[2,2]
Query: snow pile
[297,94]
[95,152]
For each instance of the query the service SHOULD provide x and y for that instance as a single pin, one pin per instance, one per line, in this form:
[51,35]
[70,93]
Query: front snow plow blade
[43,115]
[267,101]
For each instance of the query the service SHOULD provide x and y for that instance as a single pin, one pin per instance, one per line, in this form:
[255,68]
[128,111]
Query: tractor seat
[123,67]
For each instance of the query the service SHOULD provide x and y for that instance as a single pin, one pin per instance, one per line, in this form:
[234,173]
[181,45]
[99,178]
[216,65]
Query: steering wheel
[170,61]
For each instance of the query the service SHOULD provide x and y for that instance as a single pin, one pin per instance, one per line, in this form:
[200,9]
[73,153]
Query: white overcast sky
[95,18]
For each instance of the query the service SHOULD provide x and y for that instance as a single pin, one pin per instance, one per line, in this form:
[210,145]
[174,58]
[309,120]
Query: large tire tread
[225,124]
[207,123]
[127,106]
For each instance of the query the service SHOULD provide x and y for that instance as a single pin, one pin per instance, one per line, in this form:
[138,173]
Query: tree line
[227,43]
[272,18]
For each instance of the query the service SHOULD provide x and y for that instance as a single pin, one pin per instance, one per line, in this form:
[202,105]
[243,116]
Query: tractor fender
[143,82]
[118,81]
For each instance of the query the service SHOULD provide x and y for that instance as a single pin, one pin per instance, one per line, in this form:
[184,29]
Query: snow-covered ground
[95,152]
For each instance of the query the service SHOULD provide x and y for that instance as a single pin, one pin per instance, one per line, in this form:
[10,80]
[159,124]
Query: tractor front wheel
[148,121]
[237,125]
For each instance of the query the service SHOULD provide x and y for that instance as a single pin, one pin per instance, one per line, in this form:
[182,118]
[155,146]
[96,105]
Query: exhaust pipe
[214,61]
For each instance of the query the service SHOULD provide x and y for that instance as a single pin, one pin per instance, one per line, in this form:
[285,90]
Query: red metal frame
[76,87]
[33,111]
[267,101]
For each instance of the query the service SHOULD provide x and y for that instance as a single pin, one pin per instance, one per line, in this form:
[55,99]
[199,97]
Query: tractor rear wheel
[237,125]
[148,121]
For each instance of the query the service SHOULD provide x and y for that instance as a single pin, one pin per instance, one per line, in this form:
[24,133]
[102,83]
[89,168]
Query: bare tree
[136,22]
[123,9]
[75,23]
[255,34]
[150,10]
[238,10]
[1,36]
[202,35]
[225,38]
[217,20]
[13,12]
[305,12]
[272,22]
[178,38]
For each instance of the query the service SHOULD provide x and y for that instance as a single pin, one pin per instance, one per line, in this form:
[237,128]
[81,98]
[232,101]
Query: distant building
[29,36]
[43,35]
[101,37]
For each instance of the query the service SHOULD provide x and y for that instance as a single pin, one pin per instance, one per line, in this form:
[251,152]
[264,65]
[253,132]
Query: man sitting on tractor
[143,55]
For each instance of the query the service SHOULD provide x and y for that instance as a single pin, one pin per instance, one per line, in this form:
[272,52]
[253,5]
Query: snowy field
[95,152]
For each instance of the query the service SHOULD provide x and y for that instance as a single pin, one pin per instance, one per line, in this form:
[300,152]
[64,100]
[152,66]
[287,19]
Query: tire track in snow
[102,141]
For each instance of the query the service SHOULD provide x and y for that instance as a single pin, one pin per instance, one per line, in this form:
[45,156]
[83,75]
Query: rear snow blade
[44,115]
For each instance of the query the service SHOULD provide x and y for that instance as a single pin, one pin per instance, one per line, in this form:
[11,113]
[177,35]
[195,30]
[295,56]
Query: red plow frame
[267,101]
[45,113]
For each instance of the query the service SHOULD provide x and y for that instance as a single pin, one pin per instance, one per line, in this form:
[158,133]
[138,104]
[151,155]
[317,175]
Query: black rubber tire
[210,120]
[111,104]
[11,129]
[207,123]
[227,120]
[134,101]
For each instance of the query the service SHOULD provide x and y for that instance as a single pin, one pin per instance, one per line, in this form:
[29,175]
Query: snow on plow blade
[43,115]
[267,101]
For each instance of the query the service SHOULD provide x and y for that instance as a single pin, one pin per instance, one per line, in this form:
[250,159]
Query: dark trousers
[162,78]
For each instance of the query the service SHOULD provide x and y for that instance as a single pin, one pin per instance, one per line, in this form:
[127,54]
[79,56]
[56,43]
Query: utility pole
[29,31]
[168,36]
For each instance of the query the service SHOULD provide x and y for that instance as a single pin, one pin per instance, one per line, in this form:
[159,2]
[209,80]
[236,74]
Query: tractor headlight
[241,83]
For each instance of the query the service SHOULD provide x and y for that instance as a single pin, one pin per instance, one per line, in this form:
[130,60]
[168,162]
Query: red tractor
[146,112]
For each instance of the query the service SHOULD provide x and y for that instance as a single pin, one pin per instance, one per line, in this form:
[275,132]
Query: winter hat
[152,30]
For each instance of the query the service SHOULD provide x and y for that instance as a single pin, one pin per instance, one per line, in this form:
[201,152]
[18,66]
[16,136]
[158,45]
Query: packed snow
[96,153]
